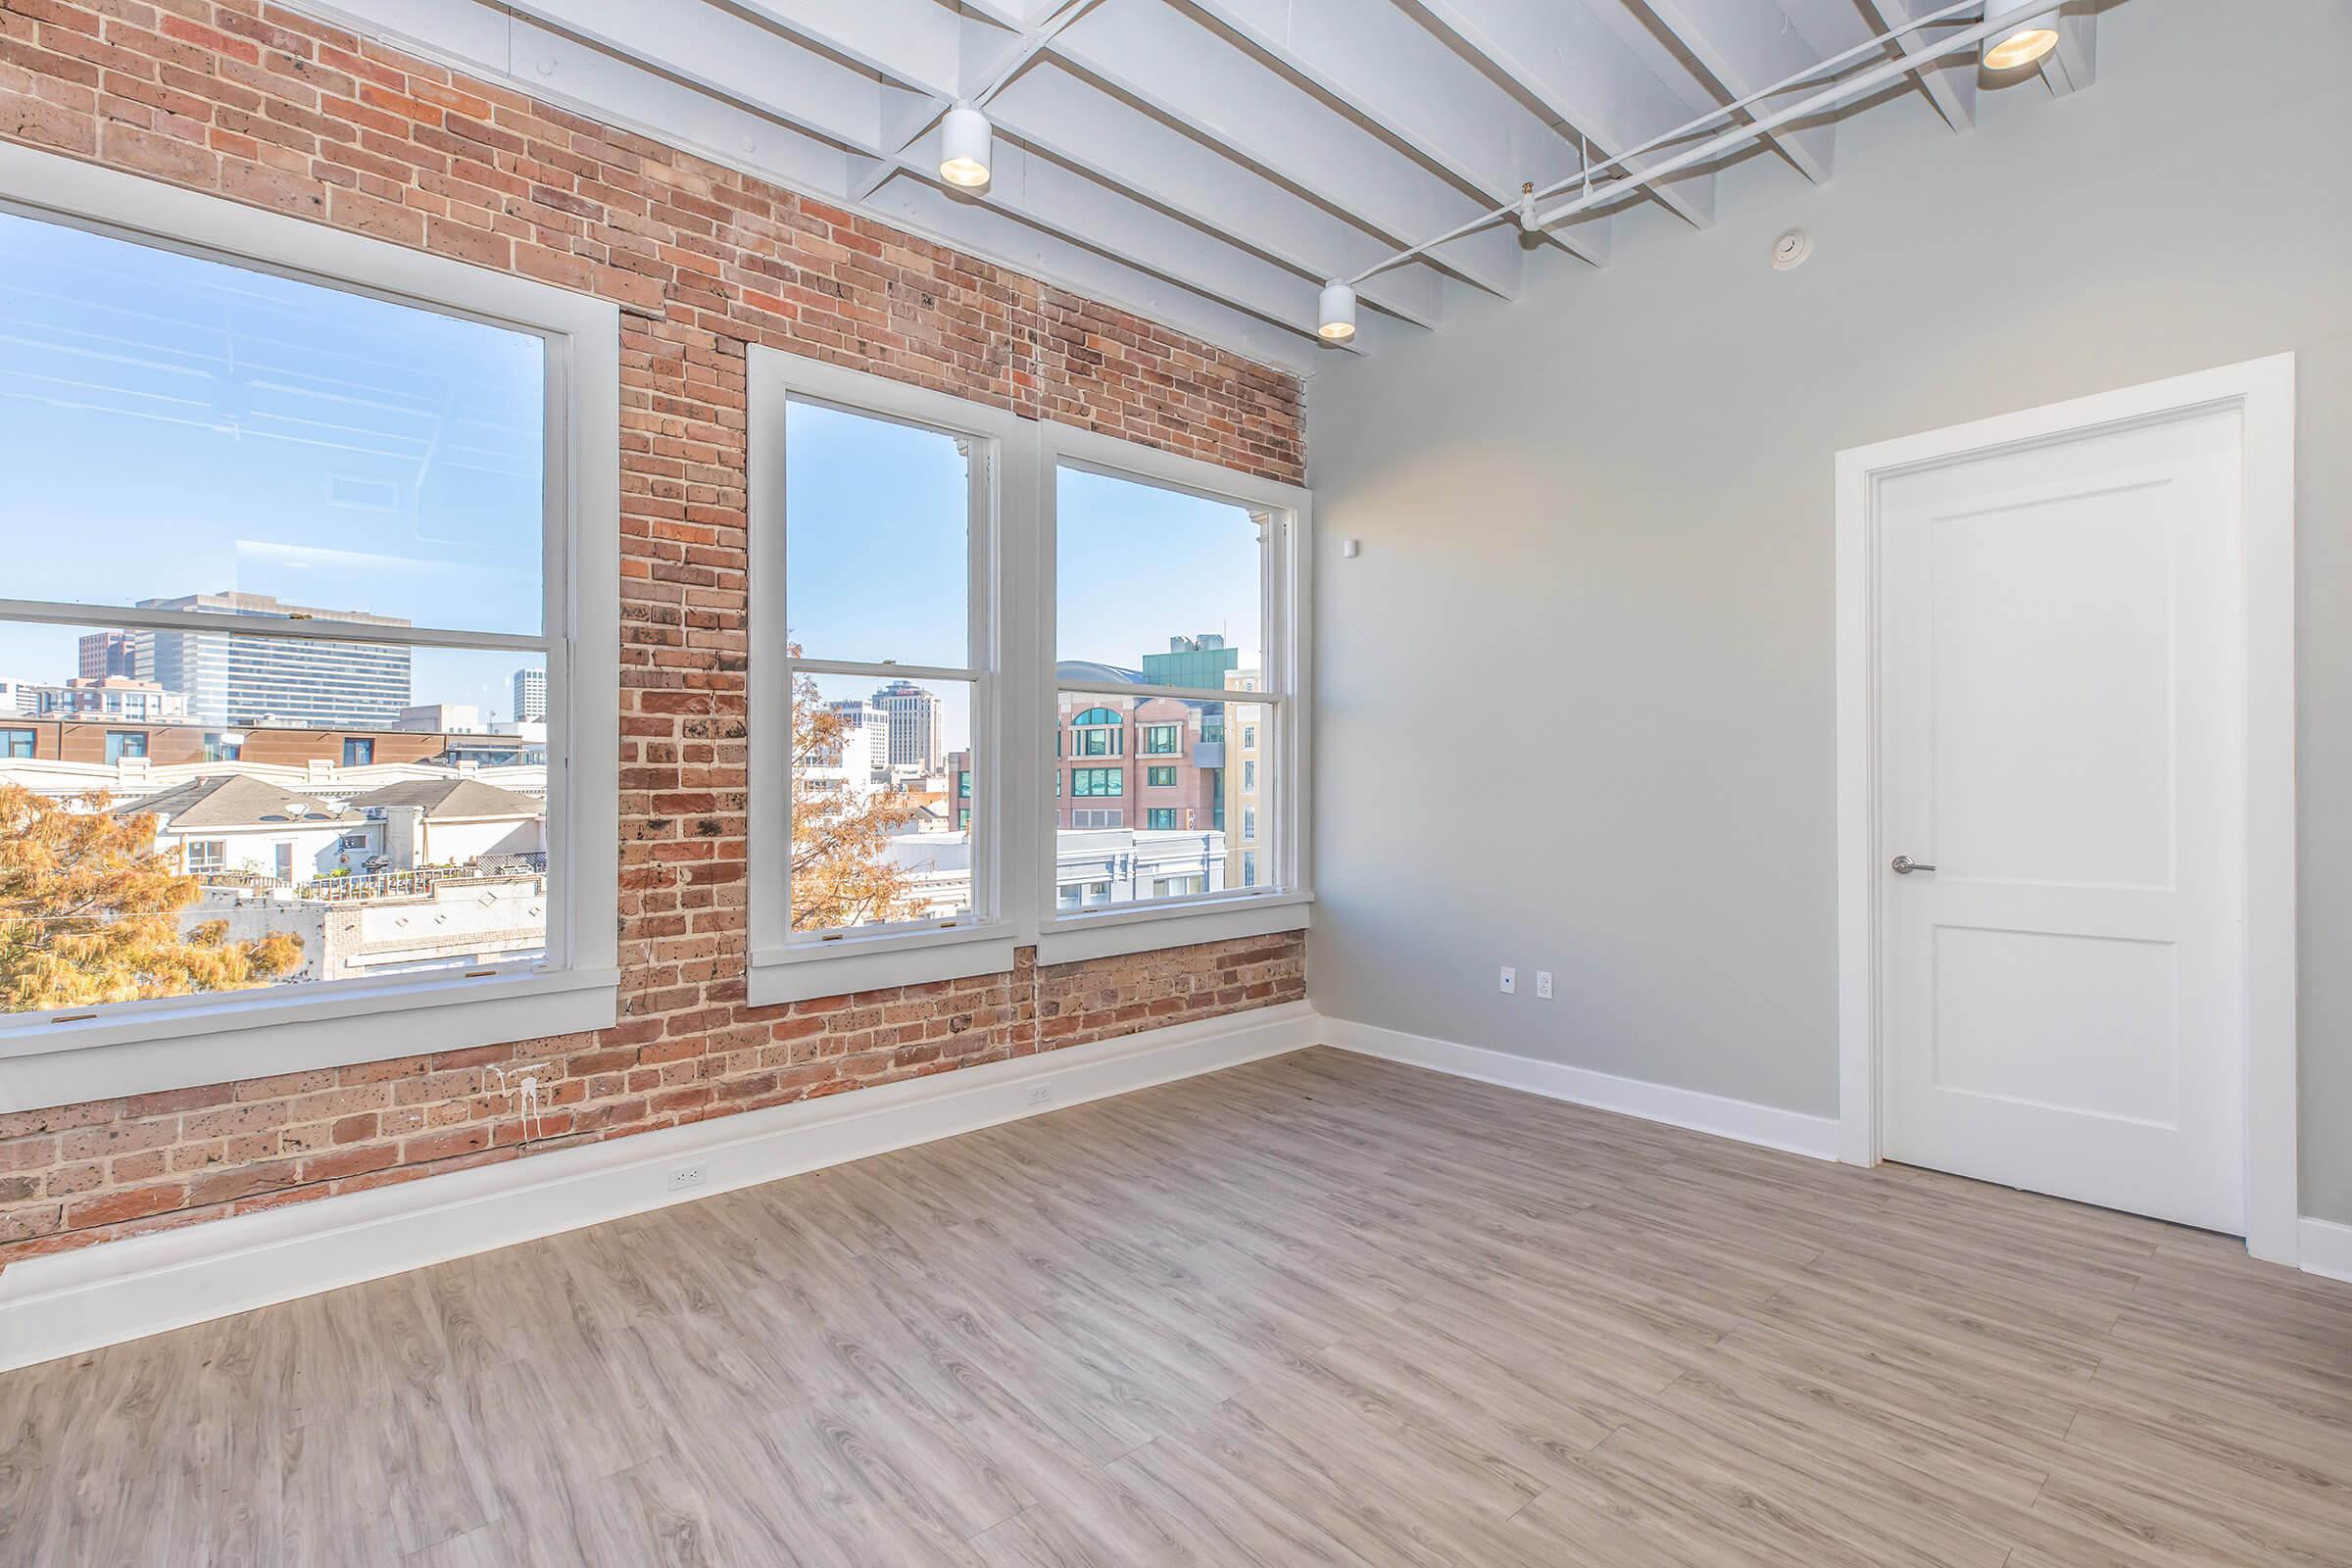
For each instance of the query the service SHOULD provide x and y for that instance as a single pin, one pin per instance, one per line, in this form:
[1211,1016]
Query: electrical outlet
[1510,981]
[686,1176]
[1040,1094]
[1544,984]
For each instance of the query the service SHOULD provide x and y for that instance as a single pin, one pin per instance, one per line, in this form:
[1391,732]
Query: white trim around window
[66,1056]
[1013,721]
[792,967]
[1286,541]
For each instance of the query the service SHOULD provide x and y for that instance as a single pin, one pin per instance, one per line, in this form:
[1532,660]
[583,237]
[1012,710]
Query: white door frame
[2264,391]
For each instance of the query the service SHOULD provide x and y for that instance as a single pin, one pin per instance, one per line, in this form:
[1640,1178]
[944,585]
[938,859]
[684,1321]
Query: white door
[2061,743]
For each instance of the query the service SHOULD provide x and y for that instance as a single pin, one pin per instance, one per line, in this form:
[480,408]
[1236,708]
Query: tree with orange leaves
[840,831]
[90,912]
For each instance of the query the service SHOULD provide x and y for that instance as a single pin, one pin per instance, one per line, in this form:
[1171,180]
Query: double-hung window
[300,487]
[975,642]
[1176,591]
[876,834]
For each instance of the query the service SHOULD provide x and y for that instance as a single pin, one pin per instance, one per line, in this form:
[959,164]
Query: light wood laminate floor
[1318,1311]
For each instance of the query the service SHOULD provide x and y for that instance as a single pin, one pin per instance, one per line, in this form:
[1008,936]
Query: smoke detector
[1790,250]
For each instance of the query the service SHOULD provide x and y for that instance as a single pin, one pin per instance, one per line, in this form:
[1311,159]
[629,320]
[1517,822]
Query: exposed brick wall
[264,106]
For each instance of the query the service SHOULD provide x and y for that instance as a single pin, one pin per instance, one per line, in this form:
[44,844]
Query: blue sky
[875,568]
[172,426]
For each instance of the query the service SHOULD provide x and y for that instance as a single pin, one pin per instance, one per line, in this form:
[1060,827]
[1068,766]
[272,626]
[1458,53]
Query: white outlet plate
[1510,981]
[686,1176]
[1544,984]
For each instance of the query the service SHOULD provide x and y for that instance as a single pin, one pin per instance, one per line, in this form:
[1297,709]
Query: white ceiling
[1208,163]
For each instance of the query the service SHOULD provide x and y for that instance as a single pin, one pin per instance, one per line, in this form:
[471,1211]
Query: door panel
[2060,719]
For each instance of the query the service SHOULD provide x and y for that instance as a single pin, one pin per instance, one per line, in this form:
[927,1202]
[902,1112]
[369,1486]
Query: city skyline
[195,421]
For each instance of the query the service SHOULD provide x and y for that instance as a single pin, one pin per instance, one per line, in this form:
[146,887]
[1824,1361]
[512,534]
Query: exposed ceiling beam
[994,235]
[1950,84]
[1056,110]
[485,40]
[1220,93]
[1579,72]
[978,83]
[1744,45]
[740,60]
[1387,67]
[1039,191]
[918,43]
[724,54]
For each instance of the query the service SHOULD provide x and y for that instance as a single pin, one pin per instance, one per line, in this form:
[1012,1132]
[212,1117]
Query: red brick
[108,1208]
[306,119]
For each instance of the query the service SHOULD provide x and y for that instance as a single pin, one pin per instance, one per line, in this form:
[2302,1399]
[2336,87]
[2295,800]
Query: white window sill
[1112,932]
[142,1047]
[800,971]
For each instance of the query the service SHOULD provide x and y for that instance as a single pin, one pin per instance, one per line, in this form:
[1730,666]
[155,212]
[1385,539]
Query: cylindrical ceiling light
[1335,312]
[966,143]
[2021,43]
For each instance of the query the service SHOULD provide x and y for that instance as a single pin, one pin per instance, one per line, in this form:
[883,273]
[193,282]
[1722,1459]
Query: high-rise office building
[914,738]
[229,679]
[862,741]
[531,695]
[110,654]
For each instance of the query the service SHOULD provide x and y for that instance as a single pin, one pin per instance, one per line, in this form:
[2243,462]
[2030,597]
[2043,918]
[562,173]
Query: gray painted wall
[1575,704]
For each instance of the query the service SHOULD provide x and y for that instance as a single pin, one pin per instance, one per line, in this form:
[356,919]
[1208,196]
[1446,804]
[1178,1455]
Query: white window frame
[66,1055]
[791,966]
[1286,596]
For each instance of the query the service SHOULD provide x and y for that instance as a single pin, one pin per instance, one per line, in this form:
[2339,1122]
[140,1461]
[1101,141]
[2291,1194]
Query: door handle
[1904,865]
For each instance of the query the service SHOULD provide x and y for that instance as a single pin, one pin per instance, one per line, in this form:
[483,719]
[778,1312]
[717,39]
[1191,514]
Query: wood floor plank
[1318,1311]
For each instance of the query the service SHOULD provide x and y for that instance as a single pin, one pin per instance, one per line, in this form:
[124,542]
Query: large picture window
[290,513]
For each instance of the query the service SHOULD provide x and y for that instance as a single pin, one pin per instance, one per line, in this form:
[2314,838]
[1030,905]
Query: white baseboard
[75,1302]
[1750,1123]
[2323,1247]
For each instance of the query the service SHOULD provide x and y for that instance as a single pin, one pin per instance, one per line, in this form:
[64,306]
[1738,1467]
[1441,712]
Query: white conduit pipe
[1859,81]
[1738,134]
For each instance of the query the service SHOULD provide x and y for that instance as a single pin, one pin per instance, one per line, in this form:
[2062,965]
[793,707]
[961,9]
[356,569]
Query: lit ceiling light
[1335,312]
[2023,42]
[966,142]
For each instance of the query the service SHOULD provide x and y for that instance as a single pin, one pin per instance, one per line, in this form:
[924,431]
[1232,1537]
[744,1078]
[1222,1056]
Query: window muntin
[1170,654]
[200,436]
[889,690]
[310,506]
